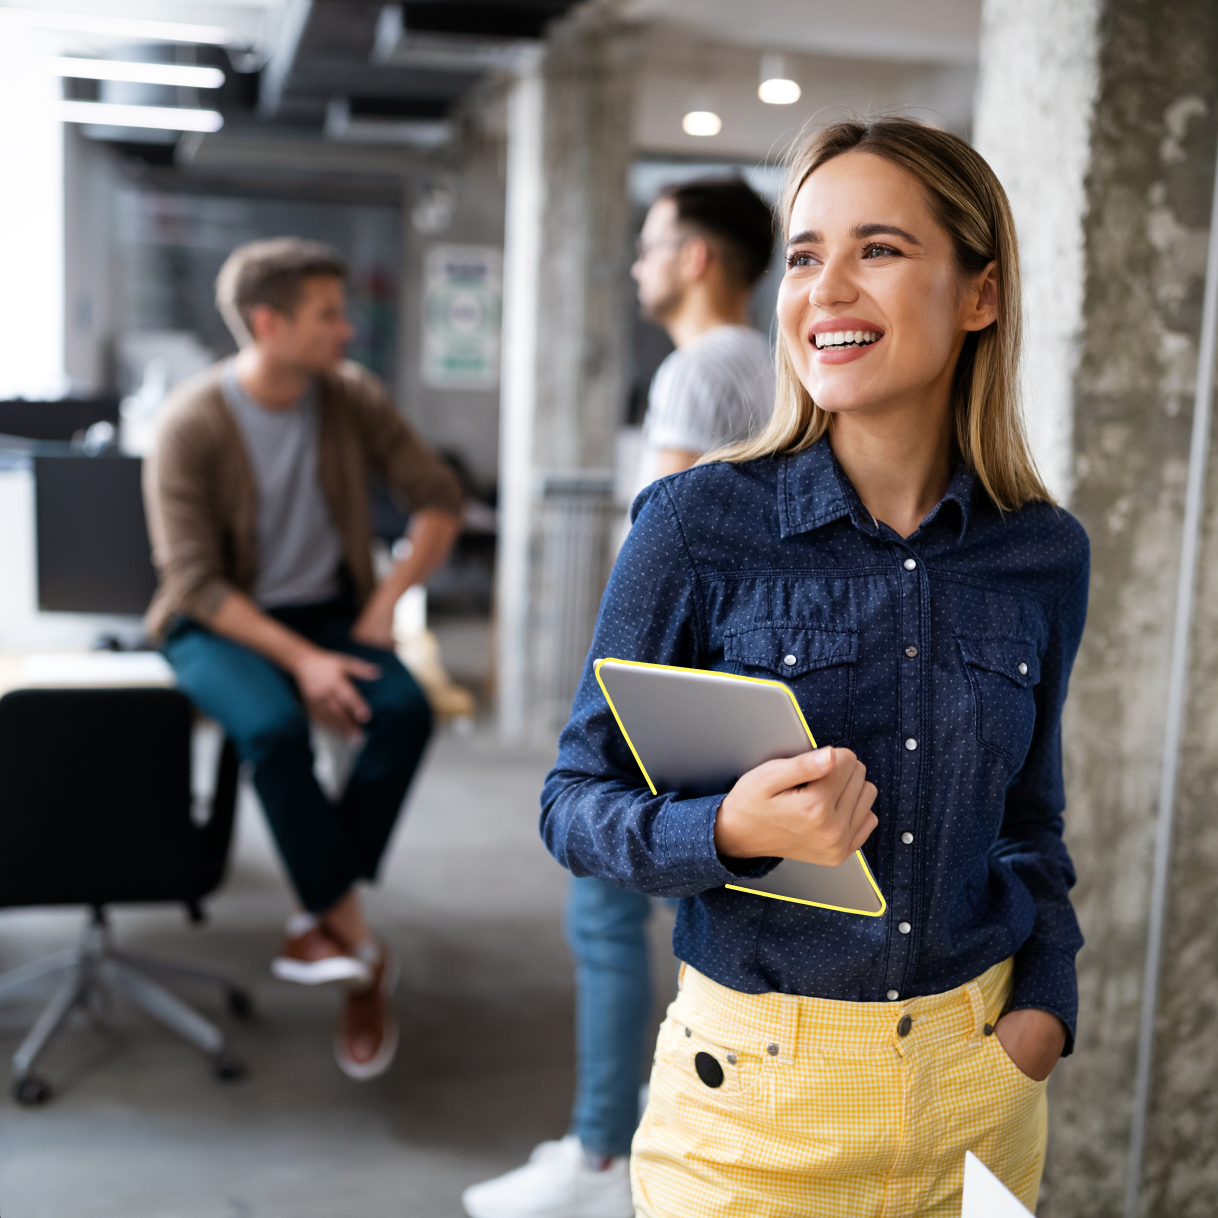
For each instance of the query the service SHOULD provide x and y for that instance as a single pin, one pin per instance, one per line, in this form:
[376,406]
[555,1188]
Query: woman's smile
[841,340]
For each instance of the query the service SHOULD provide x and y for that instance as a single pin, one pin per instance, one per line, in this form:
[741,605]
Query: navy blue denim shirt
[942,660]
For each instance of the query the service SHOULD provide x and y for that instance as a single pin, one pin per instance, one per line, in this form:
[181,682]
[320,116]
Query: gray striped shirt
[716,390]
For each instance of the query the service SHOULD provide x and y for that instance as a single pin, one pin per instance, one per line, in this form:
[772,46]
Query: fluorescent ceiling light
[701,122]
[118,27]
[776,88]
[164,118]
[184,75]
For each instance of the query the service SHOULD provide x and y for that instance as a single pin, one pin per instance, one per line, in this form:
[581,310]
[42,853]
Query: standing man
[257,503]
[704,246]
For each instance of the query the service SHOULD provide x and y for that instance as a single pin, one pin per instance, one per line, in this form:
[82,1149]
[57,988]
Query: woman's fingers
[849,795]
[864,820]
[774,777]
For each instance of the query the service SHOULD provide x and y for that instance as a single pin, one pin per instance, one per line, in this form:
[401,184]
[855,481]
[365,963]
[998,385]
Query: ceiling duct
[461,35]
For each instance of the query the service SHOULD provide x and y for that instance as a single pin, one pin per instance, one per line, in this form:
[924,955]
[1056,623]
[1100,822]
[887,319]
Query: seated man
[257,503]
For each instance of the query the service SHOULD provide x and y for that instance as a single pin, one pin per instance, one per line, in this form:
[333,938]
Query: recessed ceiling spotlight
[776,87]
[701,122]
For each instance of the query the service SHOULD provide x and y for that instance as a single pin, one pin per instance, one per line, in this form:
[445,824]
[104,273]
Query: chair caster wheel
[240,1004]
[31,1091]
[227,1068]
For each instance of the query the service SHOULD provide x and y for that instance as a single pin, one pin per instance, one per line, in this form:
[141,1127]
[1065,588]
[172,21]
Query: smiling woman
[816,1062]
[962,228]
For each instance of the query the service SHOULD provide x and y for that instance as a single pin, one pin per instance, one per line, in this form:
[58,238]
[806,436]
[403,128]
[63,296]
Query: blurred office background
[485,166]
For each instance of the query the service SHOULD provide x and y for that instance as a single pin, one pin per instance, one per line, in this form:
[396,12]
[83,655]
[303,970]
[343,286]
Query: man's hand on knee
[325,682]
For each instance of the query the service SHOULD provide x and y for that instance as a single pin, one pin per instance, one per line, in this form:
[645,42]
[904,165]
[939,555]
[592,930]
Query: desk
[83,670]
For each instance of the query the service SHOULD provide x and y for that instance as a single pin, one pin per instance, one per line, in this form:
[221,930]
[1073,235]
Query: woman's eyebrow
[811,236]
[861,231]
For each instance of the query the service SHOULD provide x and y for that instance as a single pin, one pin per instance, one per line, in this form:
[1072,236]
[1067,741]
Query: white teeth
[838,338]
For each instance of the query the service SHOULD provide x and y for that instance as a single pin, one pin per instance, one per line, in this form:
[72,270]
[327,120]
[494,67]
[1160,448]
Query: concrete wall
[90,183]
[567,262]
[465,421]
[1102,119]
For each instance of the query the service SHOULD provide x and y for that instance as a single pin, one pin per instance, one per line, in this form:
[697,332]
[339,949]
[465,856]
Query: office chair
[96,809]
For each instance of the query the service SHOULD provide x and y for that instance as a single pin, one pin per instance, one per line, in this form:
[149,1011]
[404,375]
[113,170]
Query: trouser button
[904,1026]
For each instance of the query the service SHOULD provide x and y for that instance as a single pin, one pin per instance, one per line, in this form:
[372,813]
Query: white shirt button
[1023,669]
[911,744]
[893,995]
[907,838]
[904,927]
[909,564]
[789,661]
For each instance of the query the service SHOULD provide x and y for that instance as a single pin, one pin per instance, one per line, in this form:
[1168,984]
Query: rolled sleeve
[182,525]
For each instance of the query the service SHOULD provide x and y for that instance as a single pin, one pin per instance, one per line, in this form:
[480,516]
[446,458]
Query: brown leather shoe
[315,956]
[367,1036]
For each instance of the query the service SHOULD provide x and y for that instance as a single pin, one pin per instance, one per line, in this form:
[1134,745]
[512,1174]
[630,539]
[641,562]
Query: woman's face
[872,307]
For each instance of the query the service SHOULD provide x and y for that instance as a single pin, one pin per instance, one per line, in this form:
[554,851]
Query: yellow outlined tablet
[698,731]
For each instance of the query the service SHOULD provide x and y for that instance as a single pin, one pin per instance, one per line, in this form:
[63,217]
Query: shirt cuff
[689,846]
[1047,981]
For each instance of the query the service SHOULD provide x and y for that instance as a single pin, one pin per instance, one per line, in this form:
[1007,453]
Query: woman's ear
[981,299]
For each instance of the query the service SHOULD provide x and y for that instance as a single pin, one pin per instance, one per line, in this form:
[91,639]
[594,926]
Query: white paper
[985,1196]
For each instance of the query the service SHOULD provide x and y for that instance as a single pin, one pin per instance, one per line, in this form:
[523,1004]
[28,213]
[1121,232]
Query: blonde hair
[969,202]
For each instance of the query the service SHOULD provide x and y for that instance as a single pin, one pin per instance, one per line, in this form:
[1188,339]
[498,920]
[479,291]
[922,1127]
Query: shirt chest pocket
[818,664]
[1001,674]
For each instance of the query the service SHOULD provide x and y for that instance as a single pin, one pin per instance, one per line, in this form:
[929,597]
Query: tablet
[696,732]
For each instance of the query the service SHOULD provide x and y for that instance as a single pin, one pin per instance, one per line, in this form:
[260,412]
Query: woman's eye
[879,251]
[797,259]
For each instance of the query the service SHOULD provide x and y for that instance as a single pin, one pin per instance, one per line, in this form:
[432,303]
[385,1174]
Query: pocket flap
[789,650]
[1012,658]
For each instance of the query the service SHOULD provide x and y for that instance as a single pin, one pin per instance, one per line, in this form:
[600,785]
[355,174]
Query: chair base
[96,970]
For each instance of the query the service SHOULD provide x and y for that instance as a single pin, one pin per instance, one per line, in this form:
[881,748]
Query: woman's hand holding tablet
[815,807]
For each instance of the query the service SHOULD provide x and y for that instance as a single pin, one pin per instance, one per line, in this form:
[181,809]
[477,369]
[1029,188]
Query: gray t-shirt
[716,390]
[299,548]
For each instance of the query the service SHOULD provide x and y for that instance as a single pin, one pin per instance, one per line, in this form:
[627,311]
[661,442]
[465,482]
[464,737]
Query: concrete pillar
[1101,117]
[565,329]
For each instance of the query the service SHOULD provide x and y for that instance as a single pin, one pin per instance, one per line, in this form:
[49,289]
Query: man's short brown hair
[271,273]
[729,213]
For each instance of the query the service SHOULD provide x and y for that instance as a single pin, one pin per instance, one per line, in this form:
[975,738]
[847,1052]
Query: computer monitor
[59,420]
[92,541]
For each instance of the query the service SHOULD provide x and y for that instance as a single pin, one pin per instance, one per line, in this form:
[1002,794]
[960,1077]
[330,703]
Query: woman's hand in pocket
[1033,1040]
[815,807]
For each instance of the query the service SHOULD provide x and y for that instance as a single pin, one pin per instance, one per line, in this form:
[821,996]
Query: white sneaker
[556,1182]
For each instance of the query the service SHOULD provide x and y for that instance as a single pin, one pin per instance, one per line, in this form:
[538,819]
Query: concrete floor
[470,901]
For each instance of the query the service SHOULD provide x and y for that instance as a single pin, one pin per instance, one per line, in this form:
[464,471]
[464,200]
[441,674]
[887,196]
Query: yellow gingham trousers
[827,1111]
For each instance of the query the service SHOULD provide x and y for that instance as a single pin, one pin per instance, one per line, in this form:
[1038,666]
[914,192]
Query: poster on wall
[462,296]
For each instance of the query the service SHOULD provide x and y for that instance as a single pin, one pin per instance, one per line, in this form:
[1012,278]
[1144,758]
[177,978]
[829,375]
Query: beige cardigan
[202,502]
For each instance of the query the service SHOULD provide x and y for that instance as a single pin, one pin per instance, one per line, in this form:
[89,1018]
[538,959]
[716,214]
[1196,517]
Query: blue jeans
[326,847]
[606,931]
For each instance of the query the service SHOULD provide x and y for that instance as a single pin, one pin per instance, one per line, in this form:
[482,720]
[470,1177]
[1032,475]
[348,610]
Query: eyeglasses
[644,249]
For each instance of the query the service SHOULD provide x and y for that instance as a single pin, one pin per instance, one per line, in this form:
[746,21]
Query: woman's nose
[834,285]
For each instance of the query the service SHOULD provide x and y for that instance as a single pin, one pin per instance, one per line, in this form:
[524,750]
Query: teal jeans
[326,847]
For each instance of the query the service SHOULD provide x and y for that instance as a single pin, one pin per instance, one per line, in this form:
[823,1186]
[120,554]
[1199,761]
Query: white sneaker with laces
[556,1182]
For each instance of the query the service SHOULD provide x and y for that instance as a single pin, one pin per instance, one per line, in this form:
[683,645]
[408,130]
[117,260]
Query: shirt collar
[813,490]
